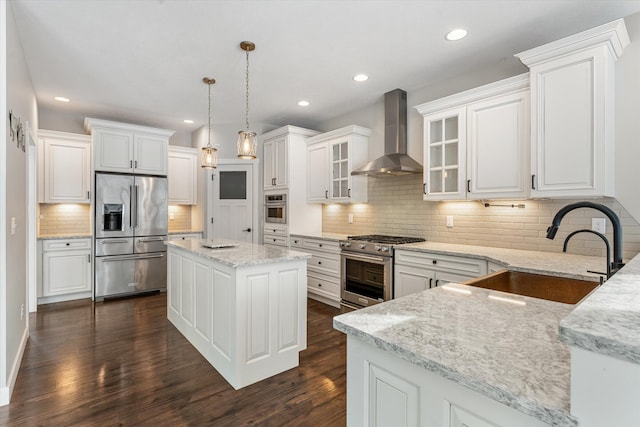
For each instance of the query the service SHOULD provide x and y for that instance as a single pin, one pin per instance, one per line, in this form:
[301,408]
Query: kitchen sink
[552,288]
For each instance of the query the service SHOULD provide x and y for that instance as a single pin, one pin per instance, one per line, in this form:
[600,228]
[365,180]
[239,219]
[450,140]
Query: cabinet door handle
[533,182]
[326,194]
[430,282]
[424,188]
[135,164]
[89,258]
[348,192]
[68,244]
[130,163]
[437,281]
[89,195]
[468,186]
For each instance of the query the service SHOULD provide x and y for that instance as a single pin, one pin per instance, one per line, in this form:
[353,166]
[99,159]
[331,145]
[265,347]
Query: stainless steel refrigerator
[130,230]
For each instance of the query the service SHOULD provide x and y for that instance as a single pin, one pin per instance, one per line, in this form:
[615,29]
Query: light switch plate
[350,218]
[599,225]
[13,226]
[172,216]
[449,221]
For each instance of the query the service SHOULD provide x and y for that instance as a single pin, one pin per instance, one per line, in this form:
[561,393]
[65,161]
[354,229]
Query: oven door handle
[366,258]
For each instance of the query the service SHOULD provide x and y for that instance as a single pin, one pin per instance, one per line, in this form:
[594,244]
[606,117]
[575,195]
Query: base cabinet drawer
[324,264]
[272,239]
[323,285]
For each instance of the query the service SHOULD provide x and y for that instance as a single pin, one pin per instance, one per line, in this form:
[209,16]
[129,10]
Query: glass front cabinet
[445,154]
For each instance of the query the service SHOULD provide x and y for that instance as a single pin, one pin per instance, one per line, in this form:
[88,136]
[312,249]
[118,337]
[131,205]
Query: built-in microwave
[275,208]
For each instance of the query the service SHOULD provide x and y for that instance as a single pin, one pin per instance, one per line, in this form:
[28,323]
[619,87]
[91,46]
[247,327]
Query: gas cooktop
[389,240]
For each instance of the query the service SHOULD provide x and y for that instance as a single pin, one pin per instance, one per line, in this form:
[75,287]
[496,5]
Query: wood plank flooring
[122,363]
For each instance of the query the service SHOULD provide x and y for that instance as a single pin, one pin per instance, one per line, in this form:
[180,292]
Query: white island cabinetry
[243,308]
[65,269]
[323,268]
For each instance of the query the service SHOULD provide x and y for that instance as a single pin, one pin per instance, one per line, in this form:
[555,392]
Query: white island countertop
[510,353]
[241,254]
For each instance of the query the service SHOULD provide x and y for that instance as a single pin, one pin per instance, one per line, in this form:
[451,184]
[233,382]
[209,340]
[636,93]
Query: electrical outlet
[350,218]
[172,216]
[22,312]
[449,221]
[599,225]
[14,226]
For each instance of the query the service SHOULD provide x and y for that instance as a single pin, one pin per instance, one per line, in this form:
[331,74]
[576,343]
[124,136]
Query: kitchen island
[242,307]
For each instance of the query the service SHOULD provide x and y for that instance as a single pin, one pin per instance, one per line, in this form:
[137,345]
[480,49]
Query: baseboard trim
[6,391]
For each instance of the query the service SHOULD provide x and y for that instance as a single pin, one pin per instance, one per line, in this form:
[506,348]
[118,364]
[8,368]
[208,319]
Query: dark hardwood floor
[122,363]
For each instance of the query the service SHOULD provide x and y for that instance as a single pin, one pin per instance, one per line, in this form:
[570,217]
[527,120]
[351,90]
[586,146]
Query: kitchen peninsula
[242,307]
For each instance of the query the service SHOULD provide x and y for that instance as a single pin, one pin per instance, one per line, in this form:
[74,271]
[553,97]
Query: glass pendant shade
[247,144]
[209,157]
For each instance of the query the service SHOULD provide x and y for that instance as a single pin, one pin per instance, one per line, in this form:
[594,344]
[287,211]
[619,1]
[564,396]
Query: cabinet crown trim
[181,149]
[337,133]
[90,124]
[484,92]
[286,130]
[54,134]
[613,35]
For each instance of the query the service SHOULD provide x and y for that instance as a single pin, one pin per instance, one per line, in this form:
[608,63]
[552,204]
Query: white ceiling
[142,61]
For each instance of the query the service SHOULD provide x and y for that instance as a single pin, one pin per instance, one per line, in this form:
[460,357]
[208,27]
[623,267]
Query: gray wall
[20,98]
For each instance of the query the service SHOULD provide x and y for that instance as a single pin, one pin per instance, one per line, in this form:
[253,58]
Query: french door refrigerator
[130,232]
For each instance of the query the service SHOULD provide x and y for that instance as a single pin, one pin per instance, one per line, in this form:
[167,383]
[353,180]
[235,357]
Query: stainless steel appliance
[366,274]
[130,230]
[275,208]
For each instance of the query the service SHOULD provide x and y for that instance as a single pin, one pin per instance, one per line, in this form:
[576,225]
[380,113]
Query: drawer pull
[68,244]
[319,245]
[295,241]
[319,285]
[435,261]
[319,262]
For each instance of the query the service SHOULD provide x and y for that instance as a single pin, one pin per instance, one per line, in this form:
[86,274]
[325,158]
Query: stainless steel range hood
[395,160]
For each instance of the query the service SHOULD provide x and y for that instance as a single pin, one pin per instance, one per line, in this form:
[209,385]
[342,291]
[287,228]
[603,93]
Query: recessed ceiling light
[361,77]
[187,121]
[457,34]
[62,99]
[303,103]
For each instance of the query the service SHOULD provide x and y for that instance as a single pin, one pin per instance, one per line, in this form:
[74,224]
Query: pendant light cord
[247,95]
[209,131]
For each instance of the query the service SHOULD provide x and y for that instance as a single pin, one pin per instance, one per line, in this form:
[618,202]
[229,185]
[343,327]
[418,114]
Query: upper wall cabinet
[284,156]
[125,148]
[476,143]
[64,167]
[572,112]
[331,157]
[183,175]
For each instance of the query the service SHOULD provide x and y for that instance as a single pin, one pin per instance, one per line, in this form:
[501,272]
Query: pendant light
[209,153]
[247,140]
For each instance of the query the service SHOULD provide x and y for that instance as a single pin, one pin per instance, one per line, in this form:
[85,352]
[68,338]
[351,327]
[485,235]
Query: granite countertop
[324,236]
[64,236]
[547,263]
[241,255]
[510,353]
[608,321]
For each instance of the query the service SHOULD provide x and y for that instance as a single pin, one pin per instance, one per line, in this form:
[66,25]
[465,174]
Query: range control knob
[345,244]
[378,248]
[385,249]
[362,246]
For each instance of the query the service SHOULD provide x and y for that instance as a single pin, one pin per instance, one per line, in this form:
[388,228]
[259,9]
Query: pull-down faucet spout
[617,263]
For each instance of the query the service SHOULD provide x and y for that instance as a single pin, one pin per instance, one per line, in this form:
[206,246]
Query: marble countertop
[510,353]
[64,236]
[547,263]
[241,255]
[324,236]
[608,322]
[185,232]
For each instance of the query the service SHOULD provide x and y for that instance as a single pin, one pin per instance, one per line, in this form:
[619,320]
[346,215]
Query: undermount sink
[552,288]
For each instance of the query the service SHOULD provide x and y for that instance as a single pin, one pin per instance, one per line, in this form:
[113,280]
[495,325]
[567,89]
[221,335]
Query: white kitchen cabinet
[344,150]
[125,148]
[64,167]
[318,173]
[276,175]
[323,268]
[66,269]
[385,390]
[185,236]
[476,143]
[418,271]
[275,234]
[182,175]
[285,173]
[572,112]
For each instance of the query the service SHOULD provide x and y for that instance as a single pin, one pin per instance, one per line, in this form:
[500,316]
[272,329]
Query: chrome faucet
[617,263]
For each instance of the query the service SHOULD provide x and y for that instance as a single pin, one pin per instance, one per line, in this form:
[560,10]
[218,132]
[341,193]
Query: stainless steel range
[367,269]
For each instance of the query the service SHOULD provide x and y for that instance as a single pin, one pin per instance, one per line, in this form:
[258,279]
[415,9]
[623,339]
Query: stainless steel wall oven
[275,208]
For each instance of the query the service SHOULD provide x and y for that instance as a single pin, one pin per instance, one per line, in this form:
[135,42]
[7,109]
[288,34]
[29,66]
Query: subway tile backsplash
[396,207]
[181,218]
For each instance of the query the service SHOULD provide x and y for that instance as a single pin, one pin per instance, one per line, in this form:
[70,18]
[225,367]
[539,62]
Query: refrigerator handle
[135,220]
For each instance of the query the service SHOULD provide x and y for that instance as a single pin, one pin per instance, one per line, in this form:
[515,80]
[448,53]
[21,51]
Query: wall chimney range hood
[395,160]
